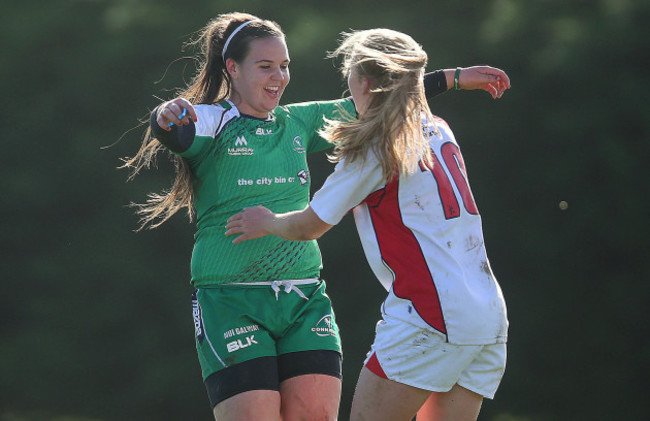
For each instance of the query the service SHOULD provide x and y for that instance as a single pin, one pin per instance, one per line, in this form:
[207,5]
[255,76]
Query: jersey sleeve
[312,115]
[348,186]
[209,117]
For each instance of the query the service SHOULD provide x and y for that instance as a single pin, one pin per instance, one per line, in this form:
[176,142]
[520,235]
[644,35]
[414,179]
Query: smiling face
[259,80]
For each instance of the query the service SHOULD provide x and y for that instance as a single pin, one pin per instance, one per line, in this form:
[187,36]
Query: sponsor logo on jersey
[297,145]
[325,326]
[241,147]
[303,176]
[430,129]
[198,319]
[241,343]
[263,132]
[240,331]
[245,342]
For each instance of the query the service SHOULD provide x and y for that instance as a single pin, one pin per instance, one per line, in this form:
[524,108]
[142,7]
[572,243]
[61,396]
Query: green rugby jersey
[240,161]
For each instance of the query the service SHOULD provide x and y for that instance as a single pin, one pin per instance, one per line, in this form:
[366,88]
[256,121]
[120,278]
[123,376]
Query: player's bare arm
[259,221]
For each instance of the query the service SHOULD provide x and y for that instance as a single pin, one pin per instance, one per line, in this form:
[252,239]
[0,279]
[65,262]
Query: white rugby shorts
[422,358]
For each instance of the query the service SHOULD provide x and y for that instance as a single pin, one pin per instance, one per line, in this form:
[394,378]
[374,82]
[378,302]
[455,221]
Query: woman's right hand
[170,111]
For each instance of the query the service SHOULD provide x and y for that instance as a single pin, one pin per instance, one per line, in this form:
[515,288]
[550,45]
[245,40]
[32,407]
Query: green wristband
[456,79]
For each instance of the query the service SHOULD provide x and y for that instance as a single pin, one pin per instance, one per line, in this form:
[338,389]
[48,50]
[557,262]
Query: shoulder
[348,186]
[363,167]
[440,128]
[439,119]
[212,117]
[440,122]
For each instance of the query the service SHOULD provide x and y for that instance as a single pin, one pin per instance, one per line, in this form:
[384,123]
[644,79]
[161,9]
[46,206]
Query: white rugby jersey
[423,238]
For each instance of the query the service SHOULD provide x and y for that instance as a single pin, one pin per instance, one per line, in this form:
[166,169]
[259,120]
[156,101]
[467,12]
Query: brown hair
[210,85]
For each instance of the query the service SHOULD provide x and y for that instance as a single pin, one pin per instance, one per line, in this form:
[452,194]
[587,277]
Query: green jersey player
[239,160]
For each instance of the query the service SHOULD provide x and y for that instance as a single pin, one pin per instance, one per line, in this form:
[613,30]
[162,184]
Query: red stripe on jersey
[401,251]
[374,366]
[445,190]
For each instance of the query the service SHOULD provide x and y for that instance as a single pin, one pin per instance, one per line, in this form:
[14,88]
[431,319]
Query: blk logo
[240,344]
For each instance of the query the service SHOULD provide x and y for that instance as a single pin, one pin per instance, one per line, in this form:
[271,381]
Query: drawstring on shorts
[289,285]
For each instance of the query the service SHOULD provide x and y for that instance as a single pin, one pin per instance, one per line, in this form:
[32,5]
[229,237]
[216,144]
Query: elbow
[317,228]
[308,236]
[314,234]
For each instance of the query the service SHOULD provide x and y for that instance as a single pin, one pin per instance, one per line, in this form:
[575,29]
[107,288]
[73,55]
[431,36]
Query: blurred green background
[95,319]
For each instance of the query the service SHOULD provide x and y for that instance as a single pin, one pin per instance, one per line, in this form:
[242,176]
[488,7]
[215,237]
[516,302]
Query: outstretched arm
[259,221]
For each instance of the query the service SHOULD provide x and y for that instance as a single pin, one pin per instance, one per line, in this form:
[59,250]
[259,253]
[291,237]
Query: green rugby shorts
[235,323]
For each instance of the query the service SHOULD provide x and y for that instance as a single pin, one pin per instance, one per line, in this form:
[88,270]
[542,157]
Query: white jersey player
[440,346]
[423,239]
